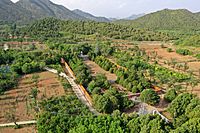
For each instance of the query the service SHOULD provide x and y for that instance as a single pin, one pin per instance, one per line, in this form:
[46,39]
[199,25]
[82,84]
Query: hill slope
[45,8]
[90,16]
[67,30]
[167,19]
[134,16]
[11,12]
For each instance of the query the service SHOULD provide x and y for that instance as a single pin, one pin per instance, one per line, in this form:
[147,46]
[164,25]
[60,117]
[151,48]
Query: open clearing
[96,69]
[194,66]
[19,98]
[162,52]
[24,44]
[163,56]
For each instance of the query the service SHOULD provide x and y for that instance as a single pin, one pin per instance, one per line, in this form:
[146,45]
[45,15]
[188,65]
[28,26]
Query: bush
[183,51]
[91,86]
[170,95]
[169,50]
[198,56]
[179,105]
[96,90]
[149,96]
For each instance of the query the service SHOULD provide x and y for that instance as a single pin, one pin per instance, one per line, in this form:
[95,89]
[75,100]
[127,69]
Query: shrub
[183,51]
[198,56]
[149,96]
[169,50]
[170,95]
[179,104]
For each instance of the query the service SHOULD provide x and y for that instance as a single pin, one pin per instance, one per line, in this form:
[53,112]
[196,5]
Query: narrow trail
[77,90]
[19,123]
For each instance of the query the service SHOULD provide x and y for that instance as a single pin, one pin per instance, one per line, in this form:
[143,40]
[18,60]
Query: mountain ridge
[46,8]
[25,11]
[166,19]
[90,16]
[134,16]
[10,12]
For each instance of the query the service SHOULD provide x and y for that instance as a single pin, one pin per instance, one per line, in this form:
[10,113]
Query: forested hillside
[193,40]
[167,20]
[72,30]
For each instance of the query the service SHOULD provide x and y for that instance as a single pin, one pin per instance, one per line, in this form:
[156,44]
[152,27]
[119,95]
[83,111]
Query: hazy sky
[124,8]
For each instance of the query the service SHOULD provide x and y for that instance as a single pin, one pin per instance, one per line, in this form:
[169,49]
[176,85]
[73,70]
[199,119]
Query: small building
[5,47]
[84,57]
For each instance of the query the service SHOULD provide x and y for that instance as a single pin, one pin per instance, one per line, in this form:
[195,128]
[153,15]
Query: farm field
[111,77]
[19,98]
[193,66]
[73,72]
[163,55]
[96,69]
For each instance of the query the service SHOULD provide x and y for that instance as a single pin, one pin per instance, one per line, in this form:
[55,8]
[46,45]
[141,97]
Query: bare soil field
[96,69]
[194,66]
[162,52]
[19,98]
[163,55]
[17,45]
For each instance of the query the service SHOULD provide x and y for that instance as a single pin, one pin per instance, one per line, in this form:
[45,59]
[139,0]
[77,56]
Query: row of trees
[17,62]
[98,86]
[106,99]
[81,71]
[29,62]
[8,78]
[132,80]
[155,73]
[192,40]
[183,51]
[185,111]
[6,56]
[67,114]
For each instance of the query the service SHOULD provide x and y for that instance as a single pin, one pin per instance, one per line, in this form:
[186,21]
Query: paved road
[18,123]
[76,89]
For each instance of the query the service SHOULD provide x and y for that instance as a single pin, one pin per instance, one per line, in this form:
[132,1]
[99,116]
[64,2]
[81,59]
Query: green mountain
[134,16]
[90,16]
[10,12]
[46,8]
[25,11]
[167,20]
[197,14]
